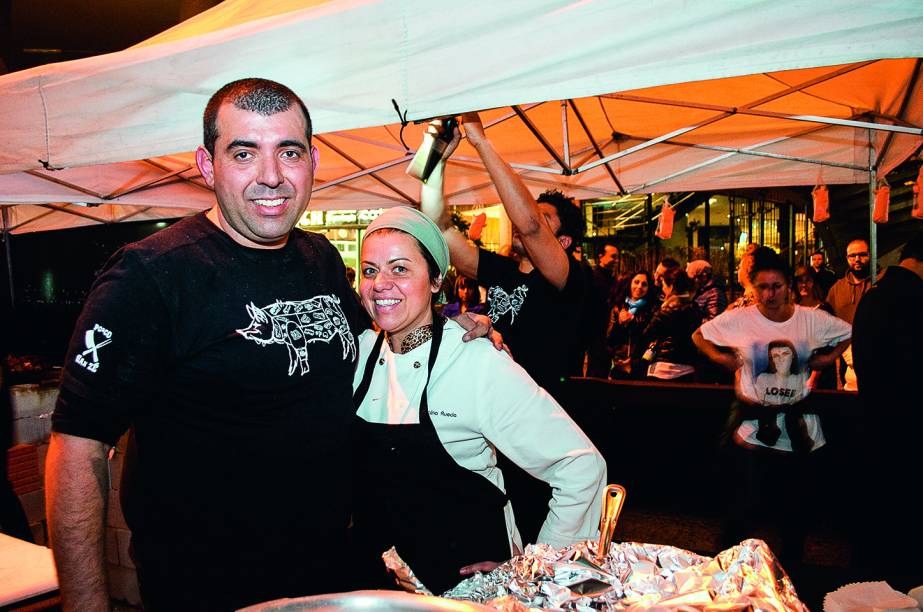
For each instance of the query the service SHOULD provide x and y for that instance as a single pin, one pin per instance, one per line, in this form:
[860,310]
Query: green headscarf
[418,225]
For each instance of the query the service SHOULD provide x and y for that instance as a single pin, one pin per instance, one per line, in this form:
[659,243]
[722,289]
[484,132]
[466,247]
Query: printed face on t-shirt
[779,383]
[262,172]
[781,357]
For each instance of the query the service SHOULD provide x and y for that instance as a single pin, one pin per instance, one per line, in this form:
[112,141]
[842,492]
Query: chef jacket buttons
[416,364]
[381,361]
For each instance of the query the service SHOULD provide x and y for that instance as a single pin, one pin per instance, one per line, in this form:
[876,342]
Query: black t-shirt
[235,367]
[538,321]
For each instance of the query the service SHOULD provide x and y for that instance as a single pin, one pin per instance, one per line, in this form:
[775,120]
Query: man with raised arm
[545,284]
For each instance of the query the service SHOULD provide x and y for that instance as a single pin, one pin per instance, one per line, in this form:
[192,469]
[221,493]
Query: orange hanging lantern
[477,226]
[821,203]
[882,201]
[665,223]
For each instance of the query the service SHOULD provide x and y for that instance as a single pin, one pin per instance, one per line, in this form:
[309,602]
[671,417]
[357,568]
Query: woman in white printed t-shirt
[775,433]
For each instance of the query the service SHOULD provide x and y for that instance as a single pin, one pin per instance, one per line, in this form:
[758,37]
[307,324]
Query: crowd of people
[643,319]
[294,440]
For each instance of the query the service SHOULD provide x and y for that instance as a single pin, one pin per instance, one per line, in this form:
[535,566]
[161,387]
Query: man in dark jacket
[597,308]
[822,275]
[887,340]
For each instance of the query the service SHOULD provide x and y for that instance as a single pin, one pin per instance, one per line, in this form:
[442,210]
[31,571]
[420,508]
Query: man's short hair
[678,280]
[913,249]
[669,262]
[569,214]
[821,253]
[602,251]
[255,95]
[764,258]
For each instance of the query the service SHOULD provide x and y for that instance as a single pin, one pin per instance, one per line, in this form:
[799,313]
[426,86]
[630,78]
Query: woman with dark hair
[432,412]
[809,295]
[776,344]
[468,293]
[668,336]
[634,306]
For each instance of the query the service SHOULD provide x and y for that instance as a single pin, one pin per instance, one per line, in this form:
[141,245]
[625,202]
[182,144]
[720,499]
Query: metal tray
[366,600]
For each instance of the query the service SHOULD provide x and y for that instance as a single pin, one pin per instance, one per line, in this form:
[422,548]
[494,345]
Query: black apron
[411,494]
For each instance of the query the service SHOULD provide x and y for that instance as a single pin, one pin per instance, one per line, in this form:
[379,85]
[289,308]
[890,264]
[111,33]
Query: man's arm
[713,352]
[76,495]
[545,252]
[463,254]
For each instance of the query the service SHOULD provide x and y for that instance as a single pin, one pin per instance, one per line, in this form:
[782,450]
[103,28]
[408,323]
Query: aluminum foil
[403,575]
[631,576]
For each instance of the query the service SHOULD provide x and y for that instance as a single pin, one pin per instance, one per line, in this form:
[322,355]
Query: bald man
[844,298]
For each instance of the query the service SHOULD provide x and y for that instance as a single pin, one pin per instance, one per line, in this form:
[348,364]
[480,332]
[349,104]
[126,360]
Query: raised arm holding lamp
[543,283]
[538,239]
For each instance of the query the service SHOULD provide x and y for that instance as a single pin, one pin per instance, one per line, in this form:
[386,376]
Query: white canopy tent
[596,97]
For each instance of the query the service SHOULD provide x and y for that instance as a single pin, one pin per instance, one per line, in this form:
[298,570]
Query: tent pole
[9,258]
[746,110]
[540,138]
[565,136]
[371,175]
[365,172]
[873,230]
[586,130]
[806,256]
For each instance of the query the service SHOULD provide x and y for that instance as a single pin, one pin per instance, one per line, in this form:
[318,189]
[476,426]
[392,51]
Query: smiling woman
[399,280]
[430,426]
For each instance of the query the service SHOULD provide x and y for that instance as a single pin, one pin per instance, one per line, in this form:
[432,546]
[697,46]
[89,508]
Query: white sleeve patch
[94,339]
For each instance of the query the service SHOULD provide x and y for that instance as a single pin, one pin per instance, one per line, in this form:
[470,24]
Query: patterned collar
[417,337]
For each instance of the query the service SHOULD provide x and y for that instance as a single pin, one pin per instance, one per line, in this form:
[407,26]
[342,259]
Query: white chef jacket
[479,399]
